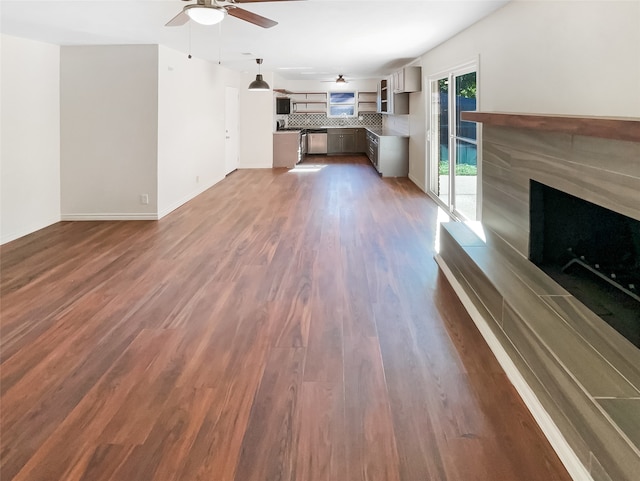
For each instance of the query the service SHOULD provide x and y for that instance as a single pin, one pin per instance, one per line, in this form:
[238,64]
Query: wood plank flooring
[282,326]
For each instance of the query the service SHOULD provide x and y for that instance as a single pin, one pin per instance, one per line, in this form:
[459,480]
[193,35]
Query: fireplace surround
[579,377]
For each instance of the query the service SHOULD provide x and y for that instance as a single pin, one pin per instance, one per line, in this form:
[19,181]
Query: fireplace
[591,251]
[579,377]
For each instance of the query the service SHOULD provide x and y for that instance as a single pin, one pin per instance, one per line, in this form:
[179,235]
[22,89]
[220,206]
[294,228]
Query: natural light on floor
[307,168]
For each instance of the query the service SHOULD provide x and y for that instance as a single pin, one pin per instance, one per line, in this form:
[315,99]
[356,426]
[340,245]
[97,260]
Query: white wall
[563,57]
[191,130]
[571,57]
[30,136]
[109,128]
[256,124]
[417,129]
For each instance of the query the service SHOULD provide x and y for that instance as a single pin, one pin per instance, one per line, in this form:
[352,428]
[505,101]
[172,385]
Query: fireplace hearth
[593,252]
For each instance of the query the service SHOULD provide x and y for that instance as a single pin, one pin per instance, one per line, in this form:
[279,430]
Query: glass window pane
[466,179]
[342,110]
[465,100]
[342,104]
[342,97]
[441,108]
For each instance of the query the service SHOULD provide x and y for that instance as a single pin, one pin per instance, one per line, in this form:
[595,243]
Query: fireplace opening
[591,251]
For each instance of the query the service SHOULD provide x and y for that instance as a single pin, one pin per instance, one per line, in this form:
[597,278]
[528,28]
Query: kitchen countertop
[380,132]
[377,130]
[287,131]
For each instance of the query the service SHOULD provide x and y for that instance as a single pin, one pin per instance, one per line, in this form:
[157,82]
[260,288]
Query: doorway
[453,151]
[232,144]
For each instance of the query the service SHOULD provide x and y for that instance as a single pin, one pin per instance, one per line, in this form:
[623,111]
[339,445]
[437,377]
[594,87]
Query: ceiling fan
[339,80]
[210,12]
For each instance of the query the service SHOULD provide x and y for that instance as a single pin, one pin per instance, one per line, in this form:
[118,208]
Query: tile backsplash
[321,120]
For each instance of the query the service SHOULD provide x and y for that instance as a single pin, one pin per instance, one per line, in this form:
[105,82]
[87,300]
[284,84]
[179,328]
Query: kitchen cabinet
[389,154]
[389,102]
[287,148]
[361,140]
[341,141]
[384,96]
[372,148]
[407,79]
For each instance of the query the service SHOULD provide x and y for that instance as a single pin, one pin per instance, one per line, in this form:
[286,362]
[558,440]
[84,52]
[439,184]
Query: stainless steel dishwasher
[317,141]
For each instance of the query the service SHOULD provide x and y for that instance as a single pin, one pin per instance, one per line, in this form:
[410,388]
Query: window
[342,104]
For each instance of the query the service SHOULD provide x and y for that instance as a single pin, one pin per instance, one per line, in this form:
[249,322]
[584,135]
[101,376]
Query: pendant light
[259,85]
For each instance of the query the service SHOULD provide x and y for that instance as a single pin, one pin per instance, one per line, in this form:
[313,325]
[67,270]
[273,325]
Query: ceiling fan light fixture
[259,85]
[205,15]
[341,80]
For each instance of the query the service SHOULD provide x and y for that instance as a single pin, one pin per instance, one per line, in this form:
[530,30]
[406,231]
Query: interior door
[232,144]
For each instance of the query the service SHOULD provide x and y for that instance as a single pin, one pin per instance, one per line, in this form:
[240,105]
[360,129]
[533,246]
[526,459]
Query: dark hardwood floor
[283,326]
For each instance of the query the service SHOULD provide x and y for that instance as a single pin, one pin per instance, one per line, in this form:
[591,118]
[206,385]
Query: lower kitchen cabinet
[341,141]
[287,148]
[361,140]
[389,154]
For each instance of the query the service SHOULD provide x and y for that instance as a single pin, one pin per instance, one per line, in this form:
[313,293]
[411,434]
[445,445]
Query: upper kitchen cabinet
[390,102]
[407,79]
[384,96]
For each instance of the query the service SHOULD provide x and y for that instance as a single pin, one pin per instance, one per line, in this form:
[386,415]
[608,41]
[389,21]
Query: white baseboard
[180,202]
[109,216]
[419,184]
[28,229]
[575,468]
[255,166]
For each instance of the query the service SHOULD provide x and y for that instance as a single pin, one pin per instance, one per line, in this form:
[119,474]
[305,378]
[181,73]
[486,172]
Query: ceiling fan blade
[251,17]
[178,20]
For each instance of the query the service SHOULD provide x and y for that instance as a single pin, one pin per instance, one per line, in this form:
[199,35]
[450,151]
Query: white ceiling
[315,39]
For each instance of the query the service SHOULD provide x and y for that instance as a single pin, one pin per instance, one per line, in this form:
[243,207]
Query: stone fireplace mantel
[579,377]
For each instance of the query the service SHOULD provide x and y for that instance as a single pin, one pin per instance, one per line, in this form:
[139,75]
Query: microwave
[283,105]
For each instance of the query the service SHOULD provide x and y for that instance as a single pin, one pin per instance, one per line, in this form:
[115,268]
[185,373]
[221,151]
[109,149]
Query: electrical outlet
[144,199]
[197,179]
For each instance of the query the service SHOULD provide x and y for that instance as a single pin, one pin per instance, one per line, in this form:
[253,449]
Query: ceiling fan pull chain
[189,56]
[219,44]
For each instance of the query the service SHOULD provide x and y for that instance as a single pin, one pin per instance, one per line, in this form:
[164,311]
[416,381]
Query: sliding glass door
[453,143]
[440,184]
